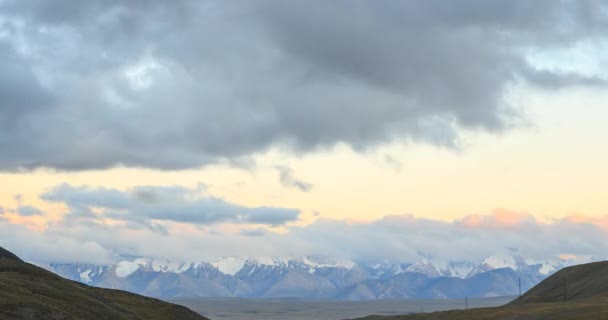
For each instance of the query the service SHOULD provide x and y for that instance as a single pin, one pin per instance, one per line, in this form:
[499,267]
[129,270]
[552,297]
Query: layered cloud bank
[180,84]
[181,224]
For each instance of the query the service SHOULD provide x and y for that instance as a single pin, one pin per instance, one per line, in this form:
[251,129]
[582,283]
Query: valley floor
[595,308]
[292,309]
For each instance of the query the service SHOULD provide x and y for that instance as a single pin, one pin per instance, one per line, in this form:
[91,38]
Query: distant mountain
[29,292]
[577,292]
[314,277]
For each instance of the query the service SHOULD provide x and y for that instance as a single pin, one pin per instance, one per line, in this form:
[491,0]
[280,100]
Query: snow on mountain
[461,270]
[314,277]
[425,267]
[266,261]
[501,261]
[125,268]
[547,267]
[321,262]
[479,268]
[384,270]
[229,266]
[85,276]
[167,266]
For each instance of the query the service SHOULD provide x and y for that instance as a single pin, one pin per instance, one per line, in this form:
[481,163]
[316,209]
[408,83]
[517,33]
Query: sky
[368,130]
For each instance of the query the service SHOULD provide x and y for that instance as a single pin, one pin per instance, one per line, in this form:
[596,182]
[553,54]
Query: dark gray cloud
[21,93]
[94,84]
[145,206]
[289,180]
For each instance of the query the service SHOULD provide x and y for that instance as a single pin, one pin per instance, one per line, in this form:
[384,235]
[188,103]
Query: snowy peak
[505,261]
[321,262]
[461,270]
[313,277]
[425,267]
[272,262]
[126,268]
[230,265]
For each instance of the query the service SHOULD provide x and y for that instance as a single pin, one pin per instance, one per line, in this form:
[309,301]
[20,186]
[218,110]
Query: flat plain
[275,309]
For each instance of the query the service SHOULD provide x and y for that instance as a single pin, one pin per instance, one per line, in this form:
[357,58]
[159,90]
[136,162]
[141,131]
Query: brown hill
[578,292]
[569,284]
[5,254]
[29,292]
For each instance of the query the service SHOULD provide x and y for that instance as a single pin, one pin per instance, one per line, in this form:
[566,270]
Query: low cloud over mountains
[154,221]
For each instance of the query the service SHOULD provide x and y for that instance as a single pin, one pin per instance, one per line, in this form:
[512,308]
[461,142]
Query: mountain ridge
[309,278]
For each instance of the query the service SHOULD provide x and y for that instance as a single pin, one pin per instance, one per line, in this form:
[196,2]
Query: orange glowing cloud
[498,218]
[600,222]
[35,223]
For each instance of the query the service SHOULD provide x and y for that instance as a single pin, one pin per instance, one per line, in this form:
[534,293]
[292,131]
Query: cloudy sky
[392,130]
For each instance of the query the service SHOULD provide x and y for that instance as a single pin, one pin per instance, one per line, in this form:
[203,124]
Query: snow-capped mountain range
[314,277]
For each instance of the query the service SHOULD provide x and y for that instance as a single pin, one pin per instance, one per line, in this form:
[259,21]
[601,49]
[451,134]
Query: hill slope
[572,283]
[583,295]
[29,292]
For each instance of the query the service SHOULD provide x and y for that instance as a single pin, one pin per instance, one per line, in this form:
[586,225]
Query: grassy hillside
[578,292]
[569,284]
[29,292]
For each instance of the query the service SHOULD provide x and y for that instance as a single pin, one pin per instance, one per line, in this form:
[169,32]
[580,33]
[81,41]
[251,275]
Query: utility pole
[466,302]
[519,285]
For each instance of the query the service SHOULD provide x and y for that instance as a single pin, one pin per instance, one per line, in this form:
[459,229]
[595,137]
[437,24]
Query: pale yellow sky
[553,168]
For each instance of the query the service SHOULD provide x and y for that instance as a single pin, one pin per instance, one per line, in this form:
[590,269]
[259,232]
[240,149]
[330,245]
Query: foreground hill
[578,292]
[29,292]
[570,284]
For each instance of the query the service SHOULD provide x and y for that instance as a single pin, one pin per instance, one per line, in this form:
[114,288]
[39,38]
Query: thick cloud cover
[177,84]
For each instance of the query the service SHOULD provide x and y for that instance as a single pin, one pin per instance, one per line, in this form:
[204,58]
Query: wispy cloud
[289,180]
[28,211]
